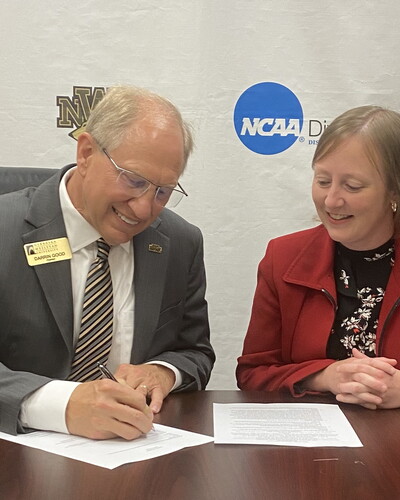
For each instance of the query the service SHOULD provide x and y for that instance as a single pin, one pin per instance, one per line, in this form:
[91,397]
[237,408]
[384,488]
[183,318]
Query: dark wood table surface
[220,471]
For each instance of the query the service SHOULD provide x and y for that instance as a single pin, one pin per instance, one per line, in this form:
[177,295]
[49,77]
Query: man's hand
[154,381]
[104,409]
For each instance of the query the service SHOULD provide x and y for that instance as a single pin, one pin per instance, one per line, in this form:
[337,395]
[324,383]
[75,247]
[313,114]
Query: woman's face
[351,197]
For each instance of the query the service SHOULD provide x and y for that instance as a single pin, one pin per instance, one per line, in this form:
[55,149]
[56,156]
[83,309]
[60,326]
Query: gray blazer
[36,311]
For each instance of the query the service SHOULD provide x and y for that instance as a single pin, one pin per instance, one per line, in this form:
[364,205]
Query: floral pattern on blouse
[379,256]
[361,277]
[361,335]
[345,278]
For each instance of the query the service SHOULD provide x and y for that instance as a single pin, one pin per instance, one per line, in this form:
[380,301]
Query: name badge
[43,252]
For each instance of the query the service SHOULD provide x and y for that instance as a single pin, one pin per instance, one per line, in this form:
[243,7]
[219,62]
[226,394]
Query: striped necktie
[95,336]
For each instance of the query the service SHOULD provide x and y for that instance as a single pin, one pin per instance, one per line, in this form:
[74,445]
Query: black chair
[15,178]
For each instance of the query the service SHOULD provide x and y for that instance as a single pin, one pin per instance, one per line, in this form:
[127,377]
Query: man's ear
[85,150]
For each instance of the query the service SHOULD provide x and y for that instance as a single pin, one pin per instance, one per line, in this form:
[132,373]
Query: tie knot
[103,249]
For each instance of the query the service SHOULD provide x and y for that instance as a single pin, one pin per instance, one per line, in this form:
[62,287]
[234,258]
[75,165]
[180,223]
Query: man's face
[152,150]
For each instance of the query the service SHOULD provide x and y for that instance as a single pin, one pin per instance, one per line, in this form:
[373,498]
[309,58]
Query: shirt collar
[79,232]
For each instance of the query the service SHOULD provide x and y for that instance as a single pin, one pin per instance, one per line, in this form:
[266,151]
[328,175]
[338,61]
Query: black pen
[106,372]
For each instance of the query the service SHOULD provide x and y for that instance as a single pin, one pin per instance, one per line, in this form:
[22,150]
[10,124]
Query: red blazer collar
[313,266]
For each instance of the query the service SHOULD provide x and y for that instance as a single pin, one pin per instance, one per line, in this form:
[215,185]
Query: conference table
[218,471]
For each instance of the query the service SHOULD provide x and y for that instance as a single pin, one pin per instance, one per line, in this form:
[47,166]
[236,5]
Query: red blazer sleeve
[266,362]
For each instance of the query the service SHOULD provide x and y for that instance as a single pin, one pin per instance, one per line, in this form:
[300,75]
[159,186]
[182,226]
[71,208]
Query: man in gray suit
[129,161]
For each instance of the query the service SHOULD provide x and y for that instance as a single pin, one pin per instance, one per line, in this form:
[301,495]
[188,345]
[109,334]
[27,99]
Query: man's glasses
[138,186]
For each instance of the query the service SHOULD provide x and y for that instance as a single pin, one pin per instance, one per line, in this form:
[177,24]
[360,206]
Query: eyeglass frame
[125,171]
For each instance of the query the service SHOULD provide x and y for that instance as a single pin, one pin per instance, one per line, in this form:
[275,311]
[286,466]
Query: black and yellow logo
[74,111]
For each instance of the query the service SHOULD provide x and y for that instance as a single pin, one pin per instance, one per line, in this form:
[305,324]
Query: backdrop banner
[259,80]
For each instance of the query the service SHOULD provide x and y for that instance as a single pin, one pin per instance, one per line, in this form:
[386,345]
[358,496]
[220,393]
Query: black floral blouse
[361,278]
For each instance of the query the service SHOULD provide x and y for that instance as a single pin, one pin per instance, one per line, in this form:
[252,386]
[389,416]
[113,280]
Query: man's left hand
[154,381]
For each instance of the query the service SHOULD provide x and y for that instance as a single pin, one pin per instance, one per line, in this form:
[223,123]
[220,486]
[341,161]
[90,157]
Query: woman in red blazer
[326,315]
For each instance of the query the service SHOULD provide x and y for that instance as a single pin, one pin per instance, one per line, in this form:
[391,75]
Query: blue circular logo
[268,118]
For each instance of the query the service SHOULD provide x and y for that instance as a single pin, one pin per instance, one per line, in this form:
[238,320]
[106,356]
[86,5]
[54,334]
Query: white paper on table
[285,424]
[111,453]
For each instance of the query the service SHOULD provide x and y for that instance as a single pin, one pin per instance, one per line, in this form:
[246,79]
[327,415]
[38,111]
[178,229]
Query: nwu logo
[74,111]
[268,118]
[268,127]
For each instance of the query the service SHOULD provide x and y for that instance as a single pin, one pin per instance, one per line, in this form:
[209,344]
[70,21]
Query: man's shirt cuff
[45,408]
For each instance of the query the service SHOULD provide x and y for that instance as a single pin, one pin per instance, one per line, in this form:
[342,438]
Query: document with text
[284,424]
[111,453]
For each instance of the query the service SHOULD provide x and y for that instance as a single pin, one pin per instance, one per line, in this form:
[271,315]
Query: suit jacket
[294,309]
[36,310]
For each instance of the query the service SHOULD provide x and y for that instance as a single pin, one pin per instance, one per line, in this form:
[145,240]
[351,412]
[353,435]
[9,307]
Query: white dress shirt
[45,408]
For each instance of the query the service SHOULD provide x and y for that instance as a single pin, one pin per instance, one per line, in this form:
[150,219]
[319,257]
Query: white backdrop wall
[202,54]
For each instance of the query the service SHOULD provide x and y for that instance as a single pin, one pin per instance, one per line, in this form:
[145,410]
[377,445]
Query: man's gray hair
[121,106]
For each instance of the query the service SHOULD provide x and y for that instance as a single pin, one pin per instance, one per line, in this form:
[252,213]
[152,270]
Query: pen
[106,372]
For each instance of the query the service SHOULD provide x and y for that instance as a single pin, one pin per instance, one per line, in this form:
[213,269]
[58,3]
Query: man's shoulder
[170,221]
[14,207]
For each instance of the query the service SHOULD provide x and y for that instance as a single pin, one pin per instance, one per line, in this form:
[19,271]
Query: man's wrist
[178,374]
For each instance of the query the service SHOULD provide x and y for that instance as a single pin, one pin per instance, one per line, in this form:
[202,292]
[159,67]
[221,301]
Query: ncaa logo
[268,118]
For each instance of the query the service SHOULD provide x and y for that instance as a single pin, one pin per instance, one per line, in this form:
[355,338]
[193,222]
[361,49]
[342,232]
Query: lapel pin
[153,247]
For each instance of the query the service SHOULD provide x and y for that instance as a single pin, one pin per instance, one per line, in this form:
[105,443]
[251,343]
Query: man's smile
[124,218]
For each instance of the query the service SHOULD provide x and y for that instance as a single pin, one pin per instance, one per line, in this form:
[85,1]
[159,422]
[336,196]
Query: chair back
[15,178]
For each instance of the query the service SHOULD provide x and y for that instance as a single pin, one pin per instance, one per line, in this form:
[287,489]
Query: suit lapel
[151,249]
[55,278]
